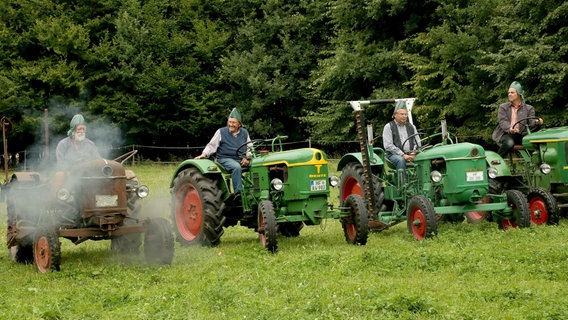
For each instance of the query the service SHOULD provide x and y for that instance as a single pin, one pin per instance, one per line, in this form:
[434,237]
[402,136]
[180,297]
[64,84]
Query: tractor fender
[205,166]
[27,177]
[494,160]
[376,160]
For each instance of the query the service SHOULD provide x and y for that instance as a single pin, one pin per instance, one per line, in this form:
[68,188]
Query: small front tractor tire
[521,216]
[159,242]
[46,250]
[543,207]
[21,253]
[129,243]
[356,226]
[267,226]
[197,209]
[290,229]
[421,218]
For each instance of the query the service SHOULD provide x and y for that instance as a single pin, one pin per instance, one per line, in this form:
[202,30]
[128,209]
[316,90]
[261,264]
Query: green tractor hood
[544,136]
[298,157]
[452,151]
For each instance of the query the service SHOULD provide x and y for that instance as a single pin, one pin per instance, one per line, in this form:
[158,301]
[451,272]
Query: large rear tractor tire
[421,218]
[521,216]
[352,181]
[46,250]
[197,209]
[543,207]
[356,226]
[267,226]
[159,242]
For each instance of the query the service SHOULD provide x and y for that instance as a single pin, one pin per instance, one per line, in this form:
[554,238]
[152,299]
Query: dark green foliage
[166,73]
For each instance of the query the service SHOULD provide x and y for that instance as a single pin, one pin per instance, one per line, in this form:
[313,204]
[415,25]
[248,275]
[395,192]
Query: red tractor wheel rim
[418,225]
[508,224]
[539,214]
[189,212]
[42,254]
[351,231]
[351,186]
[261,235]
[478,215]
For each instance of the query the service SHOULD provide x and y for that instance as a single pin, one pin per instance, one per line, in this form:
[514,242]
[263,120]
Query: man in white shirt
[395,133]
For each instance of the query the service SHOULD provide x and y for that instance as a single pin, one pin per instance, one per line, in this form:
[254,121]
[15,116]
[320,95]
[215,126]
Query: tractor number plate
[106,200]
[318,185]
[474,176]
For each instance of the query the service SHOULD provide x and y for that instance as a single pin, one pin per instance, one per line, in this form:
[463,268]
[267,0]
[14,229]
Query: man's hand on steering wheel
[409,156]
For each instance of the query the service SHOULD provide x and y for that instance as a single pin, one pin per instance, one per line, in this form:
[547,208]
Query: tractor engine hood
[292,158]
[546,135]
[452,151]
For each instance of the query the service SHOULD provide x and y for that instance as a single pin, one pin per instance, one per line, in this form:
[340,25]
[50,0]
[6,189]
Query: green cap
[517,86]
[77,120]
[400,104]
[236,115]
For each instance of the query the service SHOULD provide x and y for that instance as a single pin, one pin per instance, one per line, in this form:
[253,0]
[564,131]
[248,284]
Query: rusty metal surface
[97,233]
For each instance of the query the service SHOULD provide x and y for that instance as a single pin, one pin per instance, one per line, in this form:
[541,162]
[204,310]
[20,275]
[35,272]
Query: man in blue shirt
[224,143]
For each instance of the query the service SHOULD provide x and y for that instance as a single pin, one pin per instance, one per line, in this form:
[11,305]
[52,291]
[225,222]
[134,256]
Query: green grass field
[466,272]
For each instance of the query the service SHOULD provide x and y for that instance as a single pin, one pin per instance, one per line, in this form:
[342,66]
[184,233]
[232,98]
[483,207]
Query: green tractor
[539,169]
[282,191]
[446,180]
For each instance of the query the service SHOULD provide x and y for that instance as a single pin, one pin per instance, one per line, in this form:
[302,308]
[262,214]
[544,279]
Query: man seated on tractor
[508,132]
[76,148]
[225,143]
[395,133]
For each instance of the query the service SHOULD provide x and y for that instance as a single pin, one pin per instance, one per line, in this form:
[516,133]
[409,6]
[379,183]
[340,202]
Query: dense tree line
[167,72]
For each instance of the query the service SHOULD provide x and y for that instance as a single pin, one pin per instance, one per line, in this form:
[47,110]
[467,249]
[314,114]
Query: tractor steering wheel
[424,147]
[530,128]
[253,146]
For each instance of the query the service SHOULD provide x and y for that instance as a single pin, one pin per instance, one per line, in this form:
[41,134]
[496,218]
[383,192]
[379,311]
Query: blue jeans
[234,168]
[397,161]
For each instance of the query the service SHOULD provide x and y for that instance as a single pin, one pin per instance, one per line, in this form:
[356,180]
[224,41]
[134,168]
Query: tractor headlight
[492,172]
[277,184]
[436,176]
[63,194]
[142,191]
[333,180]
[545,168]
[107,171]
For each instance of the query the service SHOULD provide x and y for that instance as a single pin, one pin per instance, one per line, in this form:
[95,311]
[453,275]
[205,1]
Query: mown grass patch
[466,272]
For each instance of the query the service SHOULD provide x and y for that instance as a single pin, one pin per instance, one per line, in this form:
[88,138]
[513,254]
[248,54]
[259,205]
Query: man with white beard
[76,147]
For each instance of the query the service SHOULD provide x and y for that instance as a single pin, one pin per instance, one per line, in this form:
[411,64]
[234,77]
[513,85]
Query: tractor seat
[518,147]
[390,165]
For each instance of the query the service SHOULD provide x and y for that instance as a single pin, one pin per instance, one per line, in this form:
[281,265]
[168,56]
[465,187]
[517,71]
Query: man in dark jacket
[509,131]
